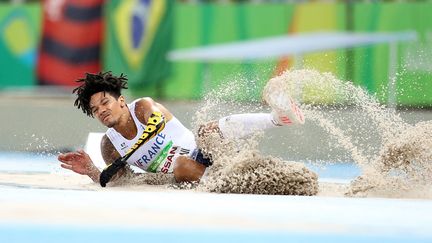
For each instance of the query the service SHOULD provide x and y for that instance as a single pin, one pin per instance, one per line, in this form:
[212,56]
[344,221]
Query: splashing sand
[238,166]
[400,166]
[403,168]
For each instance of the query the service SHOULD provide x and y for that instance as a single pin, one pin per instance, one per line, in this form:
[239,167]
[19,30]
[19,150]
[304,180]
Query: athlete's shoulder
[145,106]
[144,101]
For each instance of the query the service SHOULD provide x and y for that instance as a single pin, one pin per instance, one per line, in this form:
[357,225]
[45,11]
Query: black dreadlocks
[94,83]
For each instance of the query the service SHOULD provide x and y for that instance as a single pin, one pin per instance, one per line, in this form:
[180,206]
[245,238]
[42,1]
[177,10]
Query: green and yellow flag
[138,36]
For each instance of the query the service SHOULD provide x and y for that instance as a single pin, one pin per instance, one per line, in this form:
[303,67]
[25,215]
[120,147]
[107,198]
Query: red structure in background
[72,33]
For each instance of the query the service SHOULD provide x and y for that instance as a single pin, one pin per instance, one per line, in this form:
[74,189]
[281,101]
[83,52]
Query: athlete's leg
[188,170]
[284,112]
[242,125]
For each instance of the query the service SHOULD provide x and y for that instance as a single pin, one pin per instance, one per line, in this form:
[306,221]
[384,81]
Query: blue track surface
[104,215]
[55,234]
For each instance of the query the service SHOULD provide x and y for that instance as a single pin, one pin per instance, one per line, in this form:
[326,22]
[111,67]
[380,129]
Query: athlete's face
[106,108]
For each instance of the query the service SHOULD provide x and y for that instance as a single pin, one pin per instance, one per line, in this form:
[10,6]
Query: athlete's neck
[126,125]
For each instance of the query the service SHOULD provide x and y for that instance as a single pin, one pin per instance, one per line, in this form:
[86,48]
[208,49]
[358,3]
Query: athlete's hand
[78,162]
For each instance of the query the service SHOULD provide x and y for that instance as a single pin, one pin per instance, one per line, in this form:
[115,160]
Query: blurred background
[46,45]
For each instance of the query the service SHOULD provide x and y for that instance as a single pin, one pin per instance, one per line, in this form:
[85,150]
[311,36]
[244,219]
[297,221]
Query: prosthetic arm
[155,124]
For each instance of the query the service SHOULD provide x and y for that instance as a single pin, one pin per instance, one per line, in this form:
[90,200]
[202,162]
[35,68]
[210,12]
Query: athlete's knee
[187,170]
[209,128]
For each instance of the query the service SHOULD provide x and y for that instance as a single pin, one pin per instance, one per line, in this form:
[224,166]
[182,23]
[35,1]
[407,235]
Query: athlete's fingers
[62,158]
[72,160]
[62,155]
[80,154]
[83,154]
[70,156]
[69,167]
[68,162]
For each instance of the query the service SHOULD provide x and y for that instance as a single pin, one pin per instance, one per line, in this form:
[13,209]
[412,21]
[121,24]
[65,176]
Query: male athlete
[147,135]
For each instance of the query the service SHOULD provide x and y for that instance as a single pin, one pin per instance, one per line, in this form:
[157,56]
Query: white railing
[296,46]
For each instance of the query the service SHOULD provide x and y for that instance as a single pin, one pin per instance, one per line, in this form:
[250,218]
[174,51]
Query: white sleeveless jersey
[160,152]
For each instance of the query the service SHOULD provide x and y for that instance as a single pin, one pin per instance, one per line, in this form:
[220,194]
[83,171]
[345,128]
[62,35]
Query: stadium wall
[204,24]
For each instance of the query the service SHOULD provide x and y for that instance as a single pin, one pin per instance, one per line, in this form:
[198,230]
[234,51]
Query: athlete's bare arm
[110,154]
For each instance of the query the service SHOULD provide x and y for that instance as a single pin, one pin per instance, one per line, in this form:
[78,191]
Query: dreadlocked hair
[94,83]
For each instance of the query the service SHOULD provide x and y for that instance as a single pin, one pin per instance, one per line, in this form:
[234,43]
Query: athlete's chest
[147,152]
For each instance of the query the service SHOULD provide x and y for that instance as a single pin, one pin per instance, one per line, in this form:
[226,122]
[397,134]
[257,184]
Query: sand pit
[147,182]
[398,167]
[394,156]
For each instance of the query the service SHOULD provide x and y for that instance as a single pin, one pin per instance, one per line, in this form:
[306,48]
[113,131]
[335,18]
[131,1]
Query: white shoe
[284,109]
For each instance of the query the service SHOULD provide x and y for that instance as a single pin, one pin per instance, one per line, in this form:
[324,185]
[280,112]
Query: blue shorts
[199,157]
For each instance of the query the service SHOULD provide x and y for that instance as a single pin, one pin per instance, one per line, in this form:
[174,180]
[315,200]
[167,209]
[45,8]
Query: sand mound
[263,175]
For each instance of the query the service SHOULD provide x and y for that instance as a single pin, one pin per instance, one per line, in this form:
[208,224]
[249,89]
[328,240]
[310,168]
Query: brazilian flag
[138,37]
